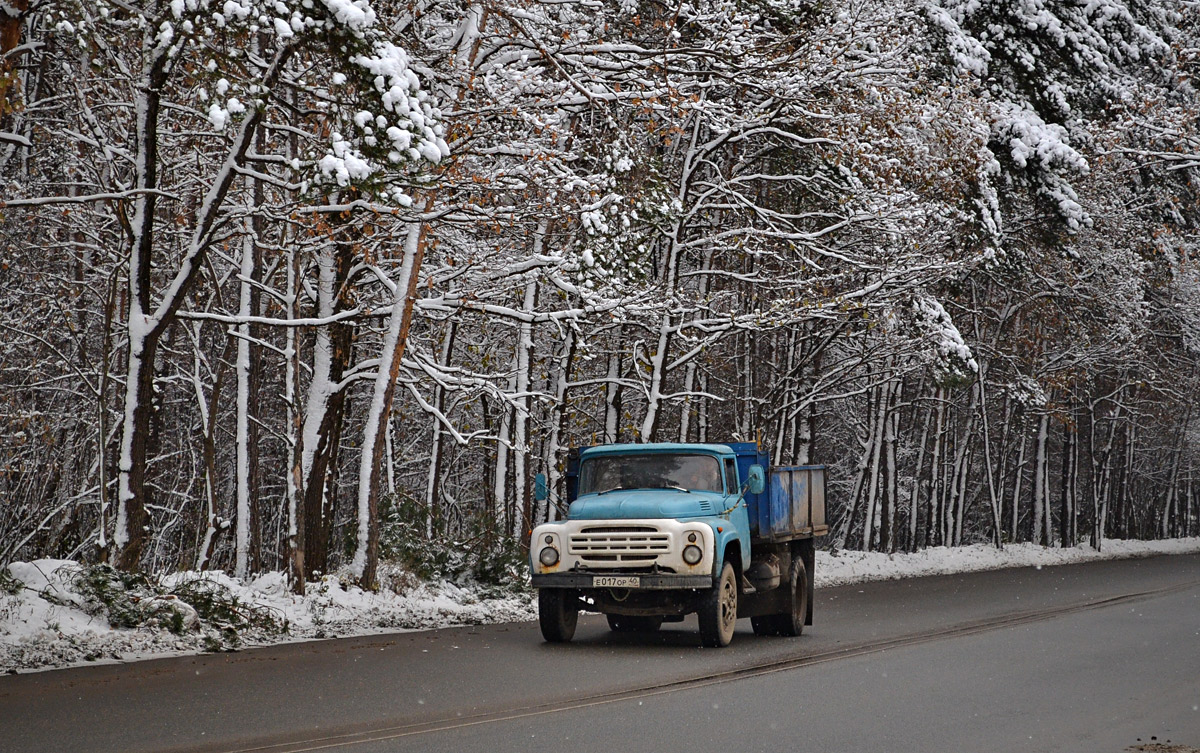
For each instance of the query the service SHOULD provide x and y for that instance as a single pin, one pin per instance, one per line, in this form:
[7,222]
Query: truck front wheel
[718,612]
[558,614]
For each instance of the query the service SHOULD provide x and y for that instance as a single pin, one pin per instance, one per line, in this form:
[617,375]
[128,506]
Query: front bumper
[651,548]
[649,582]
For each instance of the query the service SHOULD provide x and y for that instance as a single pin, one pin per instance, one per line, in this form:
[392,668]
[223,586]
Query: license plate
[616,581]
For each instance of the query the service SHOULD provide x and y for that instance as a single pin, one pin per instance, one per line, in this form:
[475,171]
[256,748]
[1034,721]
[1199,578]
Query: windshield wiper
[632,488]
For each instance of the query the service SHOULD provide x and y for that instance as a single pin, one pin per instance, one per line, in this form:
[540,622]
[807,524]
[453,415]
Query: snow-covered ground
[48,619]
[855,567]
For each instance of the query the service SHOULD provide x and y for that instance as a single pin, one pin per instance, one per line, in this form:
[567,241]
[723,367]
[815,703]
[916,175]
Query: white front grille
[619,543]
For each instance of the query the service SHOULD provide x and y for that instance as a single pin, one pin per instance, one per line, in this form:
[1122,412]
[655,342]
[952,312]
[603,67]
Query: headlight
[692,554]
[549,556]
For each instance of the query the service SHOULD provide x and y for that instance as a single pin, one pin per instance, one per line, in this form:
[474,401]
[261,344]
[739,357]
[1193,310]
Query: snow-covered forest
[298,284]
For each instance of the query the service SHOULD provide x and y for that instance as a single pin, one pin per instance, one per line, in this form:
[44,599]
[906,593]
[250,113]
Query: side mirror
[540,492]
[757,480]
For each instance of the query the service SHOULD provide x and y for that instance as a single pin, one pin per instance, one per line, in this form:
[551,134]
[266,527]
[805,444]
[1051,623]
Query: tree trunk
[746,373]
[1125,498]
[11,23]
[146,326]
[785,426]
[295,478]
[325,409]
[1018,481]
[961,472]
[110,307]
[209,409]
[612,399]
[685,408]
[523,525]
[246,433]
[1040,482]
[993,495]
[558,420]
[658,361]
[366,553]
[887,542]
[502,514]
[1170,521]
[914,493]
[1066,512]
[436,452]
[142,331]
[933,519]
[669,275]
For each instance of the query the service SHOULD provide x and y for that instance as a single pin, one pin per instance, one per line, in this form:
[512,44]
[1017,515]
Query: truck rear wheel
[790,623]
[718,613]
[626,623]
[558,614]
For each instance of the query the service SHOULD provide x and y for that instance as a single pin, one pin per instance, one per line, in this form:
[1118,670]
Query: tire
[558,614]
[810,564]
[808,618]
[718,613]
[624,623]
[791,623]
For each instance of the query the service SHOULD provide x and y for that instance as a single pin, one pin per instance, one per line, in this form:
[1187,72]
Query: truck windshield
[650,471]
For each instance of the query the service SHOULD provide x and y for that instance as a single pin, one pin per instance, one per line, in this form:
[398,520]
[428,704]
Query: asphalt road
[1090,658]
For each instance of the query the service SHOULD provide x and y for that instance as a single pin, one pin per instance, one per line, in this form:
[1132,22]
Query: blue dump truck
[659,531]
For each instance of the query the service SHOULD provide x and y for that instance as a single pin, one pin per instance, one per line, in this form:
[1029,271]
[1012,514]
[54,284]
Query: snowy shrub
[171,613]
[195,603]
[402,540]
[219,607]
[113,595]
[10,587]
[9,584]
[479,556]
[502,569]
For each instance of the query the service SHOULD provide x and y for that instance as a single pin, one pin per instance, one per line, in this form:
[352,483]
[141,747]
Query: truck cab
[658,531]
